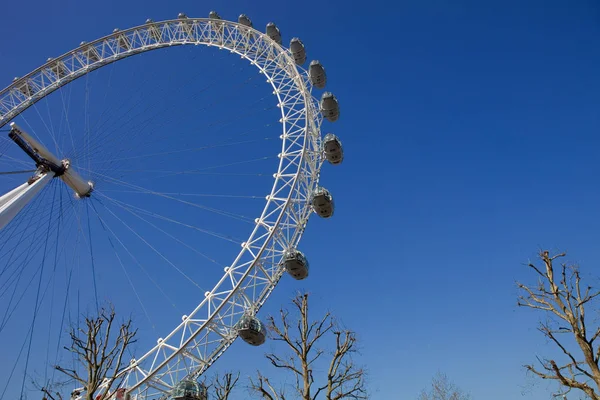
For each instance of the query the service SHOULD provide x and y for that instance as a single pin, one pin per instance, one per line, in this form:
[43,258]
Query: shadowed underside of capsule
[273,32]
[189,390]
[298,51]
[317,75]
[322,202]
[330,107]
[332,147]
[243,19]
[296,264]
[251,330]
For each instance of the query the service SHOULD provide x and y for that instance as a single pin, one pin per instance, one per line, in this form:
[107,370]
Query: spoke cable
[124,270]
[87,211]
[154,249]
[37,298]
[139,264]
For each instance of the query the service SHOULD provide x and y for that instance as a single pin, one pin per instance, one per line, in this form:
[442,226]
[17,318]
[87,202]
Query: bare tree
[443,389]
[343,380]
[99,350]
[224,385]
[265,389]
[48,394]
[562,297]
[52,390]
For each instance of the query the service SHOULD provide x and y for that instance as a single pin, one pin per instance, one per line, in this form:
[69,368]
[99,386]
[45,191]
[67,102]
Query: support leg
[14,201]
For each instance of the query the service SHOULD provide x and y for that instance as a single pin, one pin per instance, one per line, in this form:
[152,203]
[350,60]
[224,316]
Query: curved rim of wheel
[209,329]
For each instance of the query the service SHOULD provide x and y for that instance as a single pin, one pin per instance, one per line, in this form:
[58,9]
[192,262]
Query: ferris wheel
[270,249]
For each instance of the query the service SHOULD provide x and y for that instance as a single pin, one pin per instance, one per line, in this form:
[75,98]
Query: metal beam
[42,156]
[14,201]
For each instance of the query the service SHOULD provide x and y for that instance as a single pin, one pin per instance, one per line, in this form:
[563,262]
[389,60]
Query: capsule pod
[214,15]
[322,202]
[243,19]
[189,389]
[316,73]
[332,147]
[330,107]
[295,264]
[298,51]
[182,16]
[251,330]
[273,32]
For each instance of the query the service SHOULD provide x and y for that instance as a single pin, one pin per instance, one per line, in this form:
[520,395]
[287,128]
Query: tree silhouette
[567,304]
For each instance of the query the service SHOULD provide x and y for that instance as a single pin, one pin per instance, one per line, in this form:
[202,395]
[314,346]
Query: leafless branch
[443,389]
[265,389]
[343,380]
[560,294]
[224,385]
[100,353]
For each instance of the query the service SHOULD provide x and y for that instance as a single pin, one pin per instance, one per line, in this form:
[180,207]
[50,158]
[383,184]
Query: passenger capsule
[295,264]
[273,32]
[298,51]
[317,75]
[244,20]
[182,16]
[332,147]
[330,107]
[189,390]
[322,202]
[214,15]
[251,330]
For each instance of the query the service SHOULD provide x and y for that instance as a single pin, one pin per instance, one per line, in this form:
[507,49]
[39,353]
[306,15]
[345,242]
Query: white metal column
[14,201]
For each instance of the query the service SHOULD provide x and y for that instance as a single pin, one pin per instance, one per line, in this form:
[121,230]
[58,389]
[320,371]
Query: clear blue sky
[471,135]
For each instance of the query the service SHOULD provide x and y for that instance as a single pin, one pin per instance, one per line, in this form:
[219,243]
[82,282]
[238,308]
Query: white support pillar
[14,201]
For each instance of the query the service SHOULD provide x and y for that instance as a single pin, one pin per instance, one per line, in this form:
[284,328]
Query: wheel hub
[49,163]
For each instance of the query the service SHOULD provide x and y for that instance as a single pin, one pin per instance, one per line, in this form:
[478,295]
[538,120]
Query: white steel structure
[209,329]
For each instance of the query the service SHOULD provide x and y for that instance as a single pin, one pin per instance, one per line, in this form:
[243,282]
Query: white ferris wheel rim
[190,349]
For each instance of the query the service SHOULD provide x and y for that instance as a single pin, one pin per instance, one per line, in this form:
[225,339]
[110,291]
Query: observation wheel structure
[230,309]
